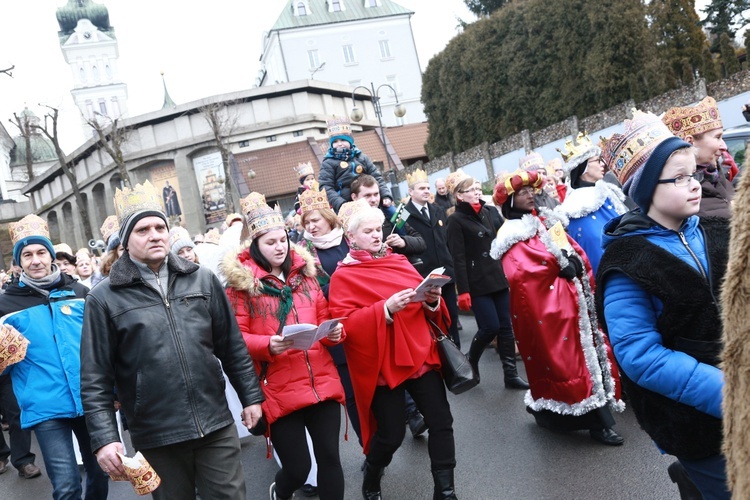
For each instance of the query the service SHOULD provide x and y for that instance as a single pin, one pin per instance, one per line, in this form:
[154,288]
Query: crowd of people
[601,270]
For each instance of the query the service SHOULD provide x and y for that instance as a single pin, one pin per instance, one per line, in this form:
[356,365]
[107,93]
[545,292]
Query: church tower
[89,45]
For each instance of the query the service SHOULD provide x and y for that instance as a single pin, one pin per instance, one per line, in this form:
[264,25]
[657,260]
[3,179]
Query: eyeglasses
[471,190]
[683,180]
[526,191]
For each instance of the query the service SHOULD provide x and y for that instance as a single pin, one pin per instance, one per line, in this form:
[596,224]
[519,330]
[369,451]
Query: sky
[204,49]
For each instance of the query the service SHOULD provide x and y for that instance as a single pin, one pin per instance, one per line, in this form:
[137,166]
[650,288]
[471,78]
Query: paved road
[502,454]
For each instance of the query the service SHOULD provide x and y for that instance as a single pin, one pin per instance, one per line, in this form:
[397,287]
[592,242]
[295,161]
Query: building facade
[351,42]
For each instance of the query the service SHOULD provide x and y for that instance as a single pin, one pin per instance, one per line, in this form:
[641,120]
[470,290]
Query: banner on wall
[164,177]
[209,171]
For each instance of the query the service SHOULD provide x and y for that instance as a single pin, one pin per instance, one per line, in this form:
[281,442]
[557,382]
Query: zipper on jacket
[312,377]
[180,349]
[158,282]
[692,254]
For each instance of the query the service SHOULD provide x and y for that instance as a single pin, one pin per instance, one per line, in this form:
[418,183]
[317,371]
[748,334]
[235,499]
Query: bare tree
[8,71]
[111,139]
[49,129]
[24,126]
[222,121]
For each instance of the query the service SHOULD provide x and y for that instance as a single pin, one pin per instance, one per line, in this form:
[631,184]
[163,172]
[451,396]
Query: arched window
[336,5]
[301,9]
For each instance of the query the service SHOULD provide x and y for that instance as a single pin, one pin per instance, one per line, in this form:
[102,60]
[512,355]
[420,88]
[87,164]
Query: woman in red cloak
[390,349]
[567,357]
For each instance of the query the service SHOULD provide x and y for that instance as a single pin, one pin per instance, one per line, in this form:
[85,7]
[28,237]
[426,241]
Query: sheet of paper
[436,278]
[305,335]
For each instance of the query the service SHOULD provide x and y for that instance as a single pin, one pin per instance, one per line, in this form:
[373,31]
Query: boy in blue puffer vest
[343,163]
[657,297]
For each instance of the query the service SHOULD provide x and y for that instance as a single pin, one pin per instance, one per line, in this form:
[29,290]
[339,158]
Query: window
[297,133]
[271,138]
[355,83]
[348,54]
[313,59]
[336,5]
[301,9]
[244,144]
[393,82]
[103,107]
[371,3]
[385,49]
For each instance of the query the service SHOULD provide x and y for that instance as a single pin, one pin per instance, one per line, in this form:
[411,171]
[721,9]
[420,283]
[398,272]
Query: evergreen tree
[709,70]
[534,63]
[484,7]
[725,16]
[680,39]
[728,55]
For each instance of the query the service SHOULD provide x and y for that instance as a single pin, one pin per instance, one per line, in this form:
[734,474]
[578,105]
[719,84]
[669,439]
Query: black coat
[470,236]
[162,356]
[434,232]
[337,180]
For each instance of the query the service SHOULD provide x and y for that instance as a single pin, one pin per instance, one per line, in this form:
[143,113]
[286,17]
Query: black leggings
[323,422]
[388,404]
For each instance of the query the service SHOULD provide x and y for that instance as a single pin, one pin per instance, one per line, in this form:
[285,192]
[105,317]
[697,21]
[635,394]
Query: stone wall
[720,90]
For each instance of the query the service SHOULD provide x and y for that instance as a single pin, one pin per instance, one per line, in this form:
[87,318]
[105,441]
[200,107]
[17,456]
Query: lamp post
[400,110]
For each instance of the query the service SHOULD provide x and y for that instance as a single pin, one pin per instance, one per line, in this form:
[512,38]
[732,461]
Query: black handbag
[458,374]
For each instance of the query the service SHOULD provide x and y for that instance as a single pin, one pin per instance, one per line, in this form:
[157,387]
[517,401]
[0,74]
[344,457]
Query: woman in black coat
[480,281]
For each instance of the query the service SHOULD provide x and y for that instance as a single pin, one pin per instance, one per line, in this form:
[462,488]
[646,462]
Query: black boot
[444,487]
[475,352]
[506,348]
[686,486]
[371,482]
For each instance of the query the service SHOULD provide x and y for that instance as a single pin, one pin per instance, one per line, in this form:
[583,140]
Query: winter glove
[464,301]
[574,267]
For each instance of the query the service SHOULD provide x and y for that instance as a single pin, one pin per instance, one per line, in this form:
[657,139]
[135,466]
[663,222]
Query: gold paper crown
[304,169]
[348,209]
[31,225]
[264,219]
[575,154]
[212,236]
[178,233]
[231,218]
[252,202]
[110,227]
[693,120]
[416,177]
[454,179]
[13,346]
[141,197]
[532,161]
[339,125]
[311,200]
[631,150]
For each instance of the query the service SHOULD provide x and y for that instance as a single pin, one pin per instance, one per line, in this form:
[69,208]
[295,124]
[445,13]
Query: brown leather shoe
[28,471]
[4,466]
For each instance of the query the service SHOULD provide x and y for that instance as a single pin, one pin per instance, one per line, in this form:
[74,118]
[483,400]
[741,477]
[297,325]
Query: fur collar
[124,272]
[512,232]
[246,275]
[583,201]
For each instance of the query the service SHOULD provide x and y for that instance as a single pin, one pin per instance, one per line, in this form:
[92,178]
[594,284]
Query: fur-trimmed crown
[576,152]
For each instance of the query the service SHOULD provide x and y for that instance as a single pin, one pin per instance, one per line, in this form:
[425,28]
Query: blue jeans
[709,475]
[55,439]
[492,312]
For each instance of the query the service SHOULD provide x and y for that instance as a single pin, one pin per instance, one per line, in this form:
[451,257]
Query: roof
[42,150]
[274,167]
[354,10]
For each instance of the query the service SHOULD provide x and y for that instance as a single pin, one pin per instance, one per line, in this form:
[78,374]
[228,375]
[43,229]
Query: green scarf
[285,300]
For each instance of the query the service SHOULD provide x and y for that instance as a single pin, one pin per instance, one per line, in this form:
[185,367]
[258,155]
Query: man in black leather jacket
[156,334]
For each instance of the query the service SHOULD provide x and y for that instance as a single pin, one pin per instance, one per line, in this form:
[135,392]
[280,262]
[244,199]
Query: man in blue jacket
[46,307]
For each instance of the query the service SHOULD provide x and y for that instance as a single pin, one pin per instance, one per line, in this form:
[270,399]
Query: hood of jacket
[243,273]
[636,223]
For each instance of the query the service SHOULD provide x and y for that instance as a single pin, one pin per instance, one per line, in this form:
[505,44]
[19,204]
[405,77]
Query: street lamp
[400,110]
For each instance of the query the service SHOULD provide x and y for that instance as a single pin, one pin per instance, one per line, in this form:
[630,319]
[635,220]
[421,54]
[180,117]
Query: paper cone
[13,346]
[142,476]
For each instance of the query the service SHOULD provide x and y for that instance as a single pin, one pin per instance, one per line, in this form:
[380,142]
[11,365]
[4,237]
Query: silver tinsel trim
[512,232]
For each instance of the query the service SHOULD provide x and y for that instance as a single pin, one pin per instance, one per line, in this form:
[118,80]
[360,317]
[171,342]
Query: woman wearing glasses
[480,281]
[590,202]
[568,359]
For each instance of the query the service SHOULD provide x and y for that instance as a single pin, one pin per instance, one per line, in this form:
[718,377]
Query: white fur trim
[512,232]
[576,160]
[584,201]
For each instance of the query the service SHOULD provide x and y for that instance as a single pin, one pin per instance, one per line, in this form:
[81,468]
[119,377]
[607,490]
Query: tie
[424,213]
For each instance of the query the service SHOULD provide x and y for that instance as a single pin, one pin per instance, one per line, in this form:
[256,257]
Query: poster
[209,172]
[164,179]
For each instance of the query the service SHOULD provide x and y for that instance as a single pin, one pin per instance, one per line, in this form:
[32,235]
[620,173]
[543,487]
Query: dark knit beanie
[642,184]
[126,226]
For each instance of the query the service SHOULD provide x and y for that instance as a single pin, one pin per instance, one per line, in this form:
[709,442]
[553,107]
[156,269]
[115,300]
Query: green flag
[399,218]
